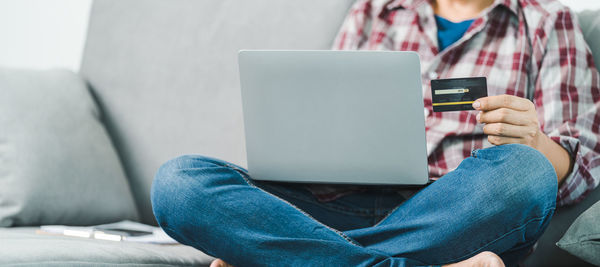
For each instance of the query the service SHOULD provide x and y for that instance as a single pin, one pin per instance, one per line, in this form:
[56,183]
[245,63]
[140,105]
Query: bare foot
[483,259]
[220,263]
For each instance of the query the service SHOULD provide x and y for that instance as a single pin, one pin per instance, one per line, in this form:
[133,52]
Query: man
[499,170]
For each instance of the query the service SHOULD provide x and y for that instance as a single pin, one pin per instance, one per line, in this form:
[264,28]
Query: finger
[502,101]
[507,130]
[503,140]
[505,115]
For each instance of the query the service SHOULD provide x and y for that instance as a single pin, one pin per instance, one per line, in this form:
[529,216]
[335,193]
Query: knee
[170,176]
[166,187]
[181,181]
[522,178]
[533,176]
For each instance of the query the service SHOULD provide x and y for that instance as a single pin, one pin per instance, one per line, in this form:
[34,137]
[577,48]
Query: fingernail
[476,104]
[478,117]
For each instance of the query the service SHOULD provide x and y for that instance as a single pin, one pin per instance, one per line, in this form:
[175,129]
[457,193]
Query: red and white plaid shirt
[528,48]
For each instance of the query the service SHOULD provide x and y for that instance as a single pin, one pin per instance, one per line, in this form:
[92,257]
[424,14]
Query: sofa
[158,79]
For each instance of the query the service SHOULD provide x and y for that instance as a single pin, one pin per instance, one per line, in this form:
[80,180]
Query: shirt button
[433,75]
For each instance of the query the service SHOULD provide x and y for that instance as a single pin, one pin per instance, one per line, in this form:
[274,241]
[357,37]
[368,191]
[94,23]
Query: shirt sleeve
[567,100]
[353,32]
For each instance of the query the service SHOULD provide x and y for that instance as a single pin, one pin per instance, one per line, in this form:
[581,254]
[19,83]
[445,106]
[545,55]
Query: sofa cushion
[583,237]
[23,247]
[57,163]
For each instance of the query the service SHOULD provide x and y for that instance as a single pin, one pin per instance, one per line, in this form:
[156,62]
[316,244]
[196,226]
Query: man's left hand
[509,119]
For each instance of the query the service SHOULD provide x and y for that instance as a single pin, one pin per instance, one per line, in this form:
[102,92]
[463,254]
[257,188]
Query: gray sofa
[164,76]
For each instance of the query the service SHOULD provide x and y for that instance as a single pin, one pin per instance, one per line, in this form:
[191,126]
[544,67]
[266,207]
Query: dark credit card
[457,94]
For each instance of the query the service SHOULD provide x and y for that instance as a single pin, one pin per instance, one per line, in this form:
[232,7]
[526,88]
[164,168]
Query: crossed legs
[499,200]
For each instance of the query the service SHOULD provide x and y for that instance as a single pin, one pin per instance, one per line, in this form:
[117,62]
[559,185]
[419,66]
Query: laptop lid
[334,116]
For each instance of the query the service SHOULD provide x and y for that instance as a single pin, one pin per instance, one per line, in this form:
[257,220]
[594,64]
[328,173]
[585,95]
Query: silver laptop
[334,116]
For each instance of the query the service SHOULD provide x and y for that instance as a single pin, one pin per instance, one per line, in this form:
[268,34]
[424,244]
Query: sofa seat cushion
[22,246]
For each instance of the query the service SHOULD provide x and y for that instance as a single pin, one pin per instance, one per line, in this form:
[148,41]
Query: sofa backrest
[165,72]
[590,25]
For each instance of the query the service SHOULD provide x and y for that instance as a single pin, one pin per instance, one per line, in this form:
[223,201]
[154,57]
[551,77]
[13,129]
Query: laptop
[341,117]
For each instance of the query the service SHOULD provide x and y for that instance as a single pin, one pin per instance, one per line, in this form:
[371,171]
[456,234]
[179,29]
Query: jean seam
[246,178]
[502,236]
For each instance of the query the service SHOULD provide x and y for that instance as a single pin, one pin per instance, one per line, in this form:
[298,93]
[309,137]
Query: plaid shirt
[528,48]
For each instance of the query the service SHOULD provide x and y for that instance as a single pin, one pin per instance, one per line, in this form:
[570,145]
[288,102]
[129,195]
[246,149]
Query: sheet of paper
[157,236]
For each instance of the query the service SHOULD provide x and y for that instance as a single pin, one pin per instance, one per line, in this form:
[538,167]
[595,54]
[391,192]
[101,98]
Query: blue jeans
[500,199]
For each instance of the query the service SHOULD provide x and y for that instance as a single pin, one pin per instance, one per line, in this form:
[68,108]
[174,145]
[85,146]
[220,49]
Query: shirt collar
[512,5]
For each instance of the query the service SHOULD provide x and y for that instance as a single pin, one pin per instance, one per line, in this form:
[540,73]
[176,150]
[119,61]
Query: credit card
[457,94]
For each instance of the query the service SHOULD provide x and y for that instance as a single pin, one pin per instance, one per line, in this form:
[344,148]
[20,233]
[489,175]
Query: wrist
[555,153]
[541,142]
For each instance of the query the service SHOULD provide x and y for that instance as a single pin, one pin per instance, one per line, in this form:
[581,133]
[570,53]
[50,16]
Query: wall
[43,33]
[579,5]
[51,33]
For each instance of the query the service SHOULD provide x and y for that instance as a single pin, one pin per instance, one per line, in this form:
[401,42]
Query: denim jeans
[500,199]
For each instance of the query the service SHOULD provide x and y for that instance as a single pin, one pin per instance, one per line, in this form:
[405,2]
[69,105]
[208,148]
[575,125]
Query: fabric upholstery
[26,248]
[57,163]
[590,25]
[583,237]
[166,76]
[547,253]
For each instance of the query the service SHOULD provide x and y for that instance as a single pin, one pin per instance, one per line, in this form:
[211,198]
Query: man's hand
[513,120]
[508,120]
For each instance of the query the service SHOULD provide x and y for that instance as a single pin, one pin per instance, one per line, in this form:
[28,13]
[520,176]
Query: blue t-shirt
[450,32]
